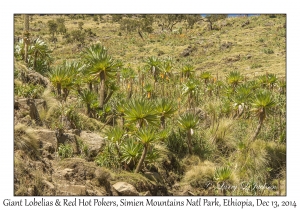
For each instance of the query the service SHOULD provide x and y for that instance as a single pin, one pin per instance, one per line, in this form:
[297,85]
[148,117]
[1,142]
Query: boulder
[36,78]
[93,141]
[71,190]
[94,193]
[67,173]
[26,106]
[226,45]
[123,188]
[67,138]
[186,52]
[47,139]
[49,187]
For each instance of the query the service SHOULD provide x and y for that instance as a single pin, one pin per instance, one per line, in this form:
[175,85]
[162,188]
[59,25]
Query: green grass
[232,64]
[253,39]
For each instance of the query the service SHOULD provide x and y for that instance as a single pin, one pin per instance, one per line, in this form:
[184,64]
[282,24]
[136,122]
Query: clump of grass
[222,136]
[65,151]
[140,182]
[277,158]
[90,124]
[255,66]
[83,148]
[191,161]
[28,90]
[200,175]
[251,160]
[108,157]
[38,182]
[25,139]
[268,51]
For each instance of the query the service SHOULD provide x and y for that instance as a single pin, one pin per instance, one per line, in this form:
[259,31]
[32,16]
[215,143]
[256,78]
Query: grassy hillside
[254,48]
[192,111]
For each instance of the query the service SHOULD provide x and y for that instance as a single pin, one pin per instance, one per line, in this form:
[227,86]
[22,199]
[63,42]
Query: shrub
[203,148]
[83,148]
[176,144]
[25,139]
[108,157]
[255,66]
[268,51]
[65,151]
[28,90]
[261,40]
[200,175]
[277,158]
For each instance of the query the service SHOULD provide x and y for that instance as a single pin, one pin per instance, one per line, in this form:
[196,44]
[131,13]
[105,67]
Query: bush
[176,144]
[95,18]
[200,175]
[277,158]
[108,157]
[255,66]
[268,51]
[25,139]
[28,90]
[83,149]
[203,148]
[65,151]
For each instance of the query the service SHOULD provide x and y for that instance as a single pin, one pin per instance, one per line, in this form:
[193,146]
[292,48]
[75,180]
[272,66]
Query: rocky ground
[42,171]
[47,174]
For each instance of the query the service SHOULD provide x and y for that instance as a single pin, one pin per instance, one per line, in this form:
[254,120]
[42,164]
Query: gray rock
[48,184]
[93,141]
[47,139]
[67,173]
[36,78]
[226,45]
[123,188]
[188,51]
[67,189]
[94,193]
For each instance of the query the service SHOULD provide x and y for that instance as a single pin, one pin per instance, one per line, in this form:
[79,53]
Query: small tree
[80,24]
[191,20]
[165,109]
[141,112]
[262,104]
[100,66]
[78,35]
[188,122]
[61,27]
[138,24]
[169,21]
[52,27]
[88,97]
[145,137]
[214,18]
[39,51]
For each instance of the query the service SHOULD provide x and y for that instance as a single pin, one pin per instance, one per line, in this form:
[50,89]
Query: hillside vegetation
[171,104]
